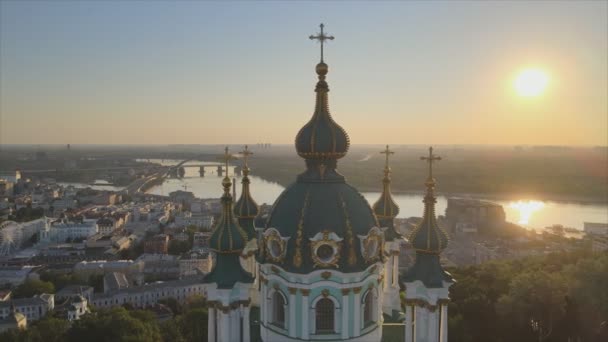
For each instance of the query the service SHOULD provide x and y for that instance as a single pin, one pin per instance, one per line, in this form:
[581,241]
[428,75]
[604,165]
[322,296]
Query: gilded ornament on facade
[352,258]
[275,245]
[372,245]
[297,258]
[325,251]
[326,275]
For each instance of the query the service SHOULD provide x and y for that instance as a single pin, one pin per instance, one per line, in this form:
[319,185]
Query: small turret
[385,207]
[246,209]
[228,241]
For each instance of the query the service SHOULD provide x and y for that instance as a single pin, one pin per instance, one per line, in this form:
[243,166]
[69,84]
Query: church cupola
[385,208]
[322,139]
[426,283]
[246,209]
[428,237]
[227,240]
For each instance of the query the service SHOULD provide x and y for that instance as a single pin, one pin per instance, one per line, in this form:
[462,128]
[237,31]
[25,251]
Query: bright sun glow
[526,209]
[531,82]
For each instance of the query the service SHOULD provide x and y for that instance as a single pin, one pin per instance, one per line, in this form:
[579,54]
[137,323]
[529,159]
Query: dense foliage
[32,287]
[557,297]
[119,324]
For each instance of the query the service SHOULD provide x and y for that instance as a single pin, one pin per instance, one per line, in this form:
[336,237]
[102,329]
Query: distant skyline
[155,72]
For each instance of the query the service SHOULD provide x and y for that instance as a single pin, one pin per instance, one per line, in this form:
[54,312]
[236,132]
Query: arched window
[324,312]
[278,309]
[368,313]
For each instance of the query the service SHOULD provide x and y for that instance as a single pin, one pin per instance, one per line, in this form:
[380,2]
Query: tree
[115,324]
[194,325]
[33,287]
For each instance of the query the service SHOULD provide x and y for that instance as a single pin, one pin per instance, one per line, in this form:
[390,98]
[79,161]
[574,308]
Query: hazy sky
[194,72]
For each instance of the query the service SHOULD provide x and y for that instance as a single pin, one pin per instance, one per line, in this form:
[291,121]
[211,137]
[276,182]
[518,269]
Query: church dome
[322,137]
[320,221]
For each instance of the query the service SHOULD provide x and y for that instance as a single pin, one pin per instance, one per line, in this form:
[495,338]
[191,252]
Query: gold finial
[431,159]
[246,153]
[387,152]
[226,158]
[321,37]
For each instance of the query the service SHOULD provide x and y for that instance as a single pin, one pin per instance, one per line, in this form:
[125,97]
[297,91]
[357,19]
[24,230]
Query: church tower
[386,211]
[228,291]
[426,282]
[246,210]
[321,254]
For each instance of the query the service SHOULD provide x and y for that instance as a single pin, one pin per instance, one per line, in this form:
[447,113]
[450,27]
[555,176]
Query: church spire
[385,207]
[428,239]
[246,209]
[322,141]
[227,240]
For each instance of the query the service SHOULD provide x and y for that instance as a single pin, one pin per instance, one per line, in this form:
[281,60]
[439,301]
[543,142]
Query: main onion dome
[227,240]
[322,137]
[321,222]
[246,209]
[429,240]
[385,208]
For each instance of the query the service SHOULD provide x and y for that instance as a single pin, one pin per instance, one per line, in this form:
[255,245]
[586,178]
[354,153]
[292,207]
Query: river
[532,213]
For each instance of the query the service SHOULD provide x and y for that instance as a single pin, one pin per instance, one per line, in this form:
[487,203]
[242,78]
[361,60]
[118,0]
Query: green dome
[322,137]
[227,236]
[386,210]
[428,237]
[307,208]
[246,209]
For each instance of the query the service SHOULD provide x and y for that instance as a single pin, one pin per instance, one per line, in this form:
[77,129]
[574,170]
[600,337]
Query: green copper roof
[306,208]
[246,209]
[427,268]
[322,137]
[385,207]
[428,237]
[227,272]
[227,236]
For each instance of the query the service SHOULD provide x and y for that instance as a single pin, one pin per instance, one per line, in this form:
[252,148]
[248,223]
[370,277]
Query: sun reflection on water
[526,209]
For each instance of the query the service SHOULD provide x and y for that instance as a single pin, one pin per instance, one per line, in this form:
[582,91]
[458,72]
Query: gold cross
[321,37]
[388,152]
[431,159]
[246,153]
[226,158]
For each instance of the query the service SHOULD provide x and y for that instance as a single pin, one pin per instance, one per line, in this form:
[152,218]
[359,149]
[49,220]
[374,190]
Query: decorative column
[433,324]
[292,311]
[264,300]
[224,326]
[408,323]
[395,274]
[246,325]
[345,313]
[417,322]
[357,310]
[305,305]
[211,324]
[444,323]
[389,273]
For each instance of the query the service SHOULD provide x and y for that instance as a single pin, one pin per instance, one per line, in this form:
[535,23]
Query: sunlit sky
[144,72]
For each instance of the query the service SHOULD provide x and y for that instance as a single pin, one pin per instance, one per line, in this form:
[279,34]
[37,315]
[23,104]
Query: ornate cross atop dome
[321,37]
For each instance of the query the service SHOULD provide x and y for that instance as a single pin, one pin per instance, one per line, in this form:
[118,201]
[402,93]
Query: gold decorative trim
[292,290]
[297,258]
[345,292]
[426,305]
[357,290]
[305,292]
[326,240]
[326,275]
[352,257]
[325,293]
[272,236]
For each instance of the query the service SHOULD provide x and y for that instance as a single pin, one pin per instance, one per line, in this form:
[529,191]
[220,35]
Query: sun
[531,82]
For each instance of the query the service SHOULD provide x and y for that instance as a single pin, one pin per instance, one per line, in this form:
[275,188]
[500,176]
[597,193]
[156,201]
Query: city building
[596,228]
[158,244]
[64,231]
[32,308]
[473,214]
[14,320]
